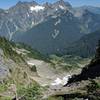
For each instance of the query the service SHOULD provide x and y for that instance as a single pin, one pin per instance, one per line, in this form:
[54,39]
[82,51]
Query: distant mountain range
[85,46]
[48,28]
[92,9]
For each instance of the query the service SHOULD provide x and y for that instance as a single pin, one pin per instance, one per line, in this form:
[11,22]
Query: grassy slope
[68,62]
[19,72]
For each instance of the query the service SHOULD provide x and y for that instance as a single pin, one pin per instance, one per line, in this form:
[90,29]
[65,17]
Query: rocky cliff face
[90,71]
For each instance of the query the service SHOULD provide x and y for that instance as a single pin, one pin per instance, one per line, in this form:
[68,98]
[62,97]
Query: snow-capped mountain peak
[37,8]
[60,6]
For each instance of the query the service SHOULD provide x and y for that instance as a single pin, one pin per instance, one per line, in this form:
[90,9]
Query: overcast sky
[8,3]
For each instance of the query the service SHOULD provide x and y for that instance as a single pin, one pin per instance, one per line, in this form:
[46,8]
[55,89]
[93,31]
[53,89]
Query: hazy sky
[8,3]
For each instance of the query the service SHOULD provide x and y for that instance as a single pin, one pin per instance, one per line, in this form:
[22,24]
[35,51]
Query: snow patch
[65,79]
[54,16]
[30,63]
[33,23]
[59,20]
[56,9]
[55,34]
[59,83]
[60,6]
[28,14]
[36,8]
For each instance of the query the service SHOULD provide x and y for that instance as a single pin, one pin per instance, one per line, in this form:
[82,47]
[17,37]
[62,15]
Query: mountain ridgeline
[55,25]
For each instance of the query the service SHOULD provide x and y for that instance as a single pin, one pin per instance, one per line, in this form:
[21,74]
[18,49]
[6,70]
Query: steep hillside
[85,46]
[90,21]
[55,33]
[23,69]
[90,71]
[15,73]
[27,52]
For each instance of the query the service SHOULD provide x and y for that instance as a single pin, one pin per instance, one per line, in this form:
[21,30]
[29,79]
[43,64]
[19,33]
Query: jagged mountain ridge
[27,16]
[23,16]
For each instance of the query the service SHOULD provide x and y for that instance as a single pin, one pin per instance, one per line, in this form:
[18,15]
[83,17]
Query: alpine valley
[49,51]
